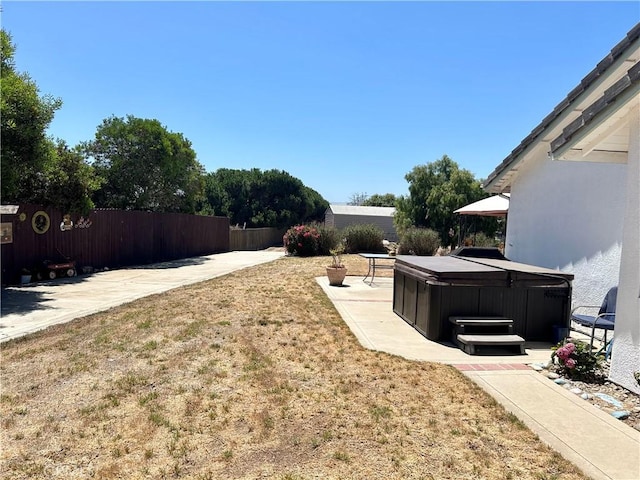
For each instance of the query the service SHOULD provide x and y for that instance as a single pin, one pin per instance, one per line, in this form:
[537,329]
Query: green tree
[145,167]
[277,199]
[25,116]
[272,198]
[377,200]
[316,206]
[435,191]
[227,193]
[8,51]
[70,181]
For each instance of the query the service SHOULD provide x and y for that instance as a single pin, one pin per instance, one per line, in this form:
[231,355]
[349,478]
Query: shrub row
[318,239]
[363,238]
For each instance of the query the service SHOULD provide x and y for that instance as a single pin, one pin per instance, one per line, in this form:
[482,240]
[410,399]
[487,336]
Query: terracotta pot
[336,275]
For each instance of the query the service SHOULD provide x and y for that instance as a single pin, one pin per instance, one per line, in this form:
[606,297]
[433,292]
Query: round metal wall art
[40,222]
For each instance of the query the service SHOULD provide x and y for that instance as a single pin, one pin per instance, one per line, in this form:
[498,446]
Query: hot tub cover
[479,271]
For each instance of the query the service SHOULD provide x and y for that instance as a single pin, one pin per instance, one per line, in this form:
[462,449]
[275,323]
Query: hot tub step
[481,321]
[468,343]
[481,325]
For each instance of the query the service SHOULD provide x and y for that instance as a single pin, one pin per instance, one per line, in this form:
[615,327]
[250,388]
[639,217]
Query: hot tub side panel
[427,307]
[546,308]
[398,294]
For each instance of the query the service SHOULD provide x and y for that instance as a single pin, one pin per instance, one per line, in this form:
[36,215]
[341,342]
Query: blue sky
[346,96]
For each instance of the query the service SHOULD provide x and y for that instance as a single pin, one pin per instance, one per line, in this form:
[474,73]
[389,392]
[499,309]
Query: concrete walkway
[601,446]
[32,307]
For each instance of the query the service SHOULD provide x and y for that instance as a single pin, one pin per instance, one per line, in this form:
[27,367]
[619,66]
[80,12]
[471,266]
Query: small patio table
[374,263]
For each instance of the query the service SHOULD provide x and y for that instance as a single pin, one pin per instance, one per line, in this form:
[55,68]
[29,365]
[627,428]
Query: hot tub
[429,290]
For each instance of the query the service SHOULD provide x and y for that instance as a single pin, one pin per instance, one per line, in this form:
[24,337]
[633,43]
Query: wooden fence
[104,238]
[255,238]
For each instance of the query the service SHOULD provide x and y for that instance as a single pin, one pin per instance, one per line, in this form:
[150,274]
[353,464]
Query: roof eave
[499,180]
[623,94]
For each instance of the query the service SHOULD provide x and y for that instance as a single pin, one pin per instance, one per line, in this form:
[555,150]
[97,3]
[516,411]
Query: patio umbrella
[495,206]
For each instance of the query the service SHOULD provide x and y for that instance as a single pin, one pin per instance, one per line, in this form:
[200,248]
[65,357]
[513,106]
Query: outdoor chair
[604,320]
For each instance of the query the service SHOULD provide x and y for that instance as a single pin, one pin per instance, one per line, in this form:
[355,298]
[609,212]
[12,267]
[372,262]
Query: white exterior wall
[569,216]
[625,358]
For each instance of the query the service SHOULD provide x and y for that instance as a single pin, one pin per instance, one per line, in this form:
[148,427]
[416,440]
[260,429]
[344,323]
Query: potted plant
[336,271]
[25,276]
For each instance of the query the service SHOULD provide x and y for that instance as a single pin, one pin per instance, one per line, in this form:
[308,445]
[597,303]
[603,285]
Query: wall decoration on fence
[6,234]
[40,222]
[66,224]
[83,223]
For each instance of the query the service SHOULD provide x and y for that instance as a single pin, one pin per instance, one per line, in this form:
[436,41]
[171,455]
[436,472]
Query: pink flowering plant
[574,359]
[301,240]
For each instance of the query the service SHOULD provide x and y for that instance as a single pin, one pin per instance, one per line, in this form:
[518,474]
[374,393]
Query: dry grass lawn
[251,375]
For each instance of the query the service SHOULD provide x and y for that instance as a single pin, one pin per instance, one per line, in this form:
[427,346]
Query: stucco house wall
[625,366]
[569,216]
[575,195]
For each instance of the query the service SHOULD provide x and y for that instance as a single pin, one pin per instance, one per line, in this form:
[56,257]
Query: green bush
[329,239]
[363,238]
[419,241]
[301,240]
[481,240]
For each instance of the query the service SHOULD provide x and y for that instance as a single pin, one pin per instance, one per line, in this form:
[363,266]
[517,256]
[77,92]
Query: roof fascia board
[618,96]
[627,99]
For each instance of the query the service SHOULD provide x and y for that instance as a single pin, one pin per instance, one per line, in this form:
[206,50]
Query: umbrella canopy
[495,206]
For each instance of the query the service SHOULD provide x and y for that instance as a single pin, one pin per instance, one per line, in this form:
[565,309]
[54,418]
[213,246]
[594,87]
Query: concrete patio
[567,423]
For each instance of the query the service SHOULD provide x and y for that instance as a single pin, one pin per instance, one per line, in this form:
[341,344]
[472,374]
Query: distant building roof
[361,210]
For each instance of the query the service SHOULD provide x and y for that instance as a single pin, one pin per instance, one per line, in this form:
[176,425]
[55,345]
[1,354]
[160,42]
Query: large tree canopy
[25,116]
[272,198]
[71,182]
[145,167]
[435,191]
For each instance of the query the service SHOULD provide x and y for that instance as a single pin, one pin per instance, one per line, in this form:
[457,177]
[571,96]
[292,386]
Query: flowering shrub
[575,359]
[301,240]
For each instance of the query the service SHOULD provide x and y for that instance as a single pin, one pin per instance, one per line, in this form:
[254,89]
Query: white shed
[341,216]
[575,200]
